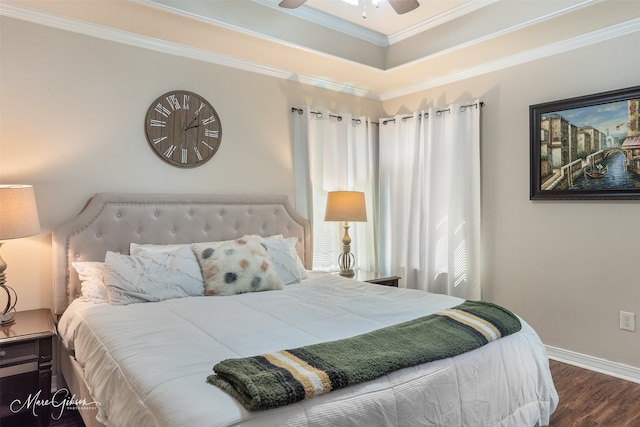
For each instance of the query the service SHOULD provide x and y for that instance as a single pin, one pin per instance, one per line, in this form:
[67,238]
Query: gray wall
[567,268]
[72,110]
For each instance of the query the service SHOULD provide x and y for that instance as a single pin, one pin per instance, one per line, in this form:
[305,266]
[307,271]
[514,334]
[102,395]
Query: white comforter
[147,364]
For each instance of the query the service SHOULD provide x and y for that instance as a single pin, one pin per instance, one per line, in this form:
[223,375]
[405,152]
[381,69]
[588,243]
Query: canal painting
[587,147]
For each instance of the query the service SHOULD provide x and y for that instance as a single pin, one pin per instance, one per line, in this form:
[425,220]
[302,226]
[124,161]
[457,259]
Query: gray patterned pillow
[236,266]
[182,259]
[91,275]
[155,277]
[285,259]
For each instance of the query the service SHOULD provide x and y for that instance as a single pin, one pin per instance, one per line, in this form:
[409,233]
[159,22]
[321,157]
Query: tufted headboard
[111,221]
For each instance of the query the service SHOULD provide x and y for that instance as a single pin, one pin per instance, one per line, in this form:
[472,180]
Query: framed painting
[586,148]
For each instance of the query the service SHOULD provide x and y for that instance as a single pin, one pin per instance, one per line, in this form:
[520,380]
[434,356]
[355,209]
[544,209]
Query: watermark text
[59,401]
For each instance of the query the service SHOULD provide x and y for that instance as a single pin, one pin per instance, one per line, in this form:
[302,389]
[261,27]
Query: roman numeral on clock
[162,110]
[170,151]
[173,102]
[198,155]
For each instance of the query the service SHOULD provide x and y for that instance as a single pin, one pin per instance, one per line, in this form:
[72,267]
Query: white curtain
[335,152]
[429,178]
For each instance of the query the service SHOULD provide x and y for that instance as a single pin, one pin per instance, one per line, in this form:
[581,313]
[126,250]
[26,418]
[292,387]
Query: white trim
[372,36]
[329,21]
[614,369]
[443,18]
[243,30]
[119,36]
[132,39]
[577,42]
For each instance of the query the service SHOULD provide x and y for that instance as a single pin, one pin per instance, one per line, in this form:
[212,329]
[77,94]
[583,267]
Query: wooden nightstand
[377,278]
[26,349]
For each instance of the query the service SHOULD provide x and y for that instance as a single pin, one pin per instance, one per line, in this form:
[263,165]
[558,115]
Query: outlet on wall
[627,321]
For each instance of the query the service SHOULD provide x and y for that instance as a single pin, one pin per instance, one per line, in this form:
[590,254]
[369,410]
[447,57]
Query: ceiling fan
[400,6]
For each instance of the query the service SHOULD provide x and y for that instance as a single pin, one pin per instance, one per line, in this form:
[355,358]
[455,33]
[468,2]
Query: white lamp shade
[346,206]
[18,212]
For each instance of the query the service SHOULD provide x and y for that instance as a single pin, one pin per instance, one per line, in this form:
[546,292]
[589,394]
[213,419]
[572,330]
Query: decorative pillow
[183,258]
[155,277]
[285,259]
[91,276]
[292,242]
[236,266]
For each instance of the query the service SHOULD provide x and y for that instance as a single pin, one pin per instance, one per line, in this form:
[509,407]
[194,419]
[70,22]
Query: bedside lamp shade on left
[18,218]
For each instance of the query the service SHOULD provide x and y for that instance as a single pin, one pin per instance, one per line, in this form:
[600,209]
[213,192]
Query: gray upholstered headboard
[111,221]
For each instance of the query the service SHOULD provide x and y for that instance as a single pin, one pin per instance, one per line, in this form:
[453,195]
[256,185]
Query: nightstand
[377,278]
[26,349]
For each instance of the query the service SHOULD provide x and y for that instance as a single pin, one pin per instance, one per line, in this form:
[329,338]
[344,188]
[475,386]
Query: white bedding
[146,364]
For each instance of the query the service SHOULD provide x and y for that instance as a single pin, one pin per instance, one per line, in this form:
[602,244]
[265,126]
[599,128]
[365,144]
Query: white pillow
[146,248]
[291,257]
[285,259]
[155,277]
[293,241]
[183,257]
[91,276]
[236,266]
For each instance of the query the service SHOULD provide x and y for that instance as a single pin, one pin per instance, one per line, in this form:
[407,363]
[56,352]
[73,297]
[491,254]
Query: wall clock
[183,129]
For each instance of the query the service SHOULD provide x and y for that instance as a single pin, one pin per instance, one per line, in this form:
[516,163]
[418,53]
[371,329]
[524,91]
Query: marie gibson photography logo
[59,402]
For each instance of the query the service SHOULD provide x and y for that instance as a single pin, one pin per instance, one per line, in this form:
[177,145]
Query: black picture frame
[586,148]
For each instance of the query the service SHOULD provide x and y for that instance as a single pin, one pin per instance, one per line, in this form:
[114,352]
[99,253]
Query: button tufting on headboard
[111,221]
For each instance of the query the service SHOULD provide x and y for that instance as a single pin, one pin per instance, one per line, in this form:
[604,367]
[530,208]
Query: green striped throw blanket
[277,379]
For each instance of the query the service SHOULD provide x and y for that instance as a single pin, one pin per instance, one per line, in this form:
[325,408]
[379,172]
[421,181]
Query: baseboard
[618,370]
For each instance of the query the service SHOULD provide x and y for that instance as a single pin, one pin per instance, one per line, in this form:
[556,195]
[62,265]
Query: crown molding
[119,36]
[345,27]
[573,43]
[163,46]
[443,18]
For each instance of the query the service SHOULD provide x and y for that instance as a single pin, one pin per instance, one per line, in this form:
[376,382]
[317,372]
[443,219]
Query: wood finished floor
[591,399]
[587,399]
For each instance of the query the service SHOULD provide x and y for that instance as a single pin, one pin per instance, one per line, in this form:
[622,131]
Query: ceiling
[329,43]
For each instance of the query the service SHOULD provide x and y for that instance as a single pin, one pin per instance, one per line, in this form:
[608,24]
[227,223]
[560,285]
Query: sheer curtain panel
[335,152]
[429,178]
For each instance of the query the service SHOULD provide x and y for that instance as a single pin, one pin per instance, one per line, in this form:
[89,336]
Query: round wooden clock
[183,129]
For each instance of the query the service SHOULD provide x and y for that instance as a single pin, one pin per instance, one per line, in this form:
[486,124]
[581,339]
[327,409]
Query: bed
[147,363]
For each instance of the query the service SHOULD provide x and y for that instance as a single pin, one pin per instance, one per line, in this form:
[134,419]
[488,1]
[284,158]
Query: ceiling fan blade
[291,4]
[403,6]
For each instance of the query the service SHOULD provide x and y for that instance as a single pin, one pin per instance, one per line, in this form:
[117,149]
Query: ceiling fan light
[404,6]
[291,4]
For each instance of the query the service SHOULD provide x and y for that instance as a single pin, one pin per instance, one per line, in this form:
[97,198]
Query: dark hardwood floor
[587,399]
[591,399]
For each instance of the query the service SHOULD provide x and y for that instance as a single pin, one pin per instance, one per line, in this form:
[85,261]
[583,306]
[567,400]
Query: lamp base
[346,262]
[7,318]
[8,313]
[347,273]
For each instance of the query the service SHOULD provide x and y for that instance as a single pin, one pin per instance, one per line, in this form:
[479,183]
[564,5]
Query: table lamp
[18,218]
[346,206]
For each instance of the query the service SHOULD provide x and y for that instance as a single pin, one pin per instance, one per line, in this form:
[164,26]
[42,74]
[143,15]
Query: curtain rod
[438,112]
[384,122]
[318,114]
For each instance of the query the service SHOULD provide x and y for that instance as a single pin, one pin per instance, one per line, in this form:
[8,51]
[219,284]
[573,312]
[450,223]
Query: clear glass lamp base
[7,318]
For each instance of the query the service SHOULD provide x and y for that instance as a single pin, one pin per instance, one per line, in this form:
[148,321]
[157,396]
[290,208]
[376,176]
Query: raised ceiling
[329,43]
